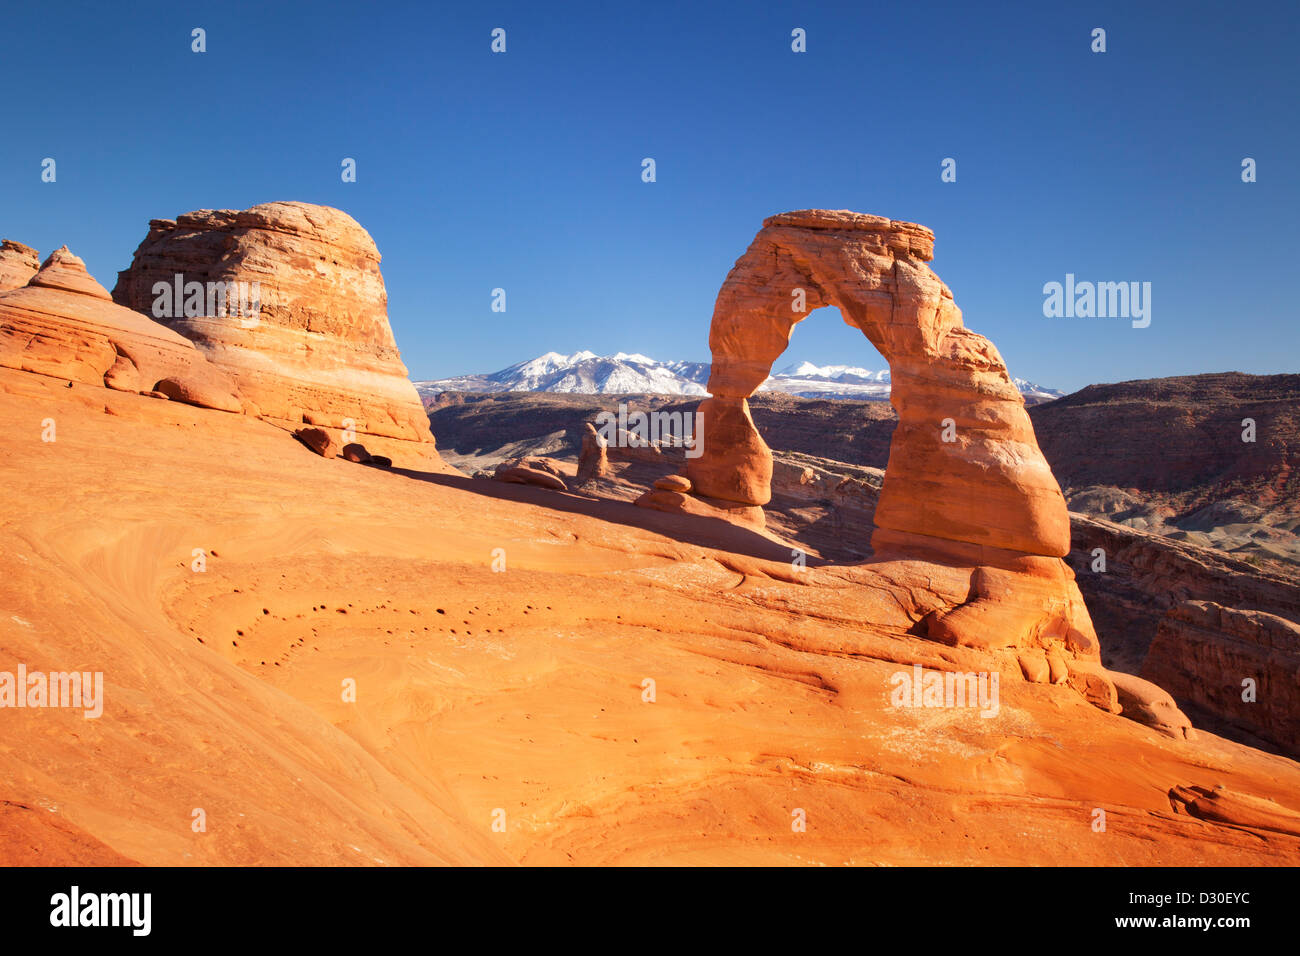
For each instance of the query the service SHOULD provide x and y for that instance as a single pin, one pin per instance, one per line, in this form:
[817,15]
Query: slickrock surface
[321,351]
[966,484]
[518,690]
[18,263]
[64,324]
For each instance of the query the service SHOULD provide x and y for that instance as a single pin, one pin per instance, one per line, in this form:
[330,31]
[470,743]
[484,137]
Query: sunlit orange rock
[64,324]
[18,263]
[319,349]
[966,484]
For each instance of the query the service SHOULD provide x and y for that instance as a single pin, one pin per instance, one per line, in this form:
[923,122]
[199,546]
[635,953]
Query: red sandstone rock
[673,483]
[355,453]
[1203,652]
[990,485]
[18,263]
[677,502]
[320,350]
[1222,805]
[1148,704]
[64,324]
[593,460]
[966,485]
[524,475]
[318,440]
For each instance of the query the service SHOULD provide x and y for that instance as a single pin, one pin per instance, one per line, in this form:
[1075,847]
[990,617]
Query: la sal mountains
[586,373]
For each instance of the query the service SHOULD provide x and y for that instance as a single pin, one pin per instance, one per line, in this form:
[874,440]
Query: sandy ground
[514,696]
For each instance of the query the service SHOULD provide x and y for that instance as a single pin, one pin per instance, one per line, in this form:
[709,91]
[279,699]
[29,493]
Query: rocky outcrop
[1222,805]
[18,263]
[966,485]
[64,324]
[542,472]
[1243,666]
[313,344]
[593,458]
[964,464]
[1131,578]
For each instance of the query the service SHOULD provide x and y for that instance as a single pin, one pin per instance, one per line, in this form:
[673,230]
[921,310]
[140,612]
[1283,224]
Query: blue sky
[523,170]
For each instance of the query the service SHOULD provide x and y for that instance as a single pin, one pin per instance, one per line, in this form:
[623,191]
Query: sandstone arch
[991,487]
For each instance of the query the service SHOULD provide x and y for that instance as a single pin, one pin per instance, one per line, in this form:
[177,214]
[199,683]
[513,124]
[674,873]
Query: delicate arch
[989,486]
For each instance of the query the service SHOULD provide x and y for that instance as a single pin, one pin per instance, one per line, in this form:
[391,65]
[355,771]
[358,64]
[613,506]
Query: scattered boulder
[356,453]
[673,483]
[318,440]
[523,475]
[379,461]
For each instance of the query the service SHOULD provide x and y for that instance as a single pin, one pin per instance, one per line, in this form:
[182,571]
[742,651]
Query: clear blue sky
[479,170]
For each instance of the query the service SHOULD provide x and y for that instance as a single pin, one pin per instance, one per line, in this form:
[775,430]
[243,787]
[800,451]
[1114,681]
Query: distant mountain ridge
[586,373]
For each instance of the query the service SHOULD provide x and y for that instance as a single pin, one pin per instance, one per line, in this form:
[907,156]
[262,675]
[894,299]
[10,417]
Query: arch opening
[964,467]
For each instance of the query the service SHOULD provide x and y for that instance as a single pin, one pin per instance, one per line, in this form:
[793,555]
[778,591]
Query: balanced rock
[312,343]
[18,263]
[64,324]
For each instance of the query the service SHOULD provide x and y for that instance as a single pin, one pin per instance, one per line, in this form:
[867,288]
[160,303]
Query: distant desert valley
[336,619]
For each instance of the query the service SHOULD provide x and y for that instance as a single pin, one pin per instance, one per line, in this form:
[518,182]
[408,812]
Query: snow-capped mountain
[584,373]
[587,373]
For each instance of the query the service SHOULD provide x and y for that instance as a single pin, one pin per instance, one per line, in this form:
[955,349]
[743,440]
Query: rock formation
[64,324]
[966,484]
[980,480]
[543,472]
[18,263]
[1203,653]
[593,458]
[319,349]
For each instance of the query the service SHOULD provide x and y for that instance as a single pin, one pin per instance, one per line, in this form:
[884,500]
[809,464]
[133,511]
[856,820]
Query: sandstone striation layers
[1203,652]
[989,485]
[18,263]
[64,324]
[966,484]
[319,350]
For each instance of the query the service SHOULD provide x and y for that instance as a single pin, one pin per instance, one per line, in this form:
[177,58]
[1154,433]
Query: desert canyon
[345,647]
